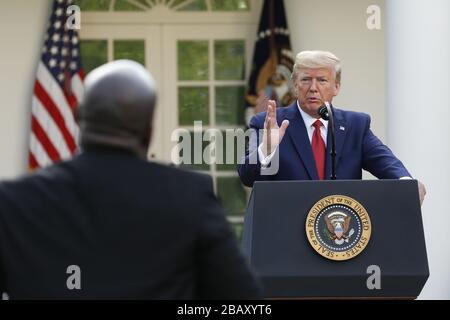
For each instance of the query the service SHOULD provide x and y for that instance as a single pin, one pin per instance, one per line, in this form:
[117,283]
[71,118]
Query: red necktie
[318,148]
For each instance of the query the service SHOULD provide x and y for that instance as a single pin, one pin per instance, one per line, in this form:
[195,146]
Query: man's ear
[337,88]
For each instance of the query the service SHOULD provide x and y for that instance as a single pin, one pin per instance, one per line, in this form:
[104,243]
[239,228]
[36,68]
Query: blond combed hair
[317,59]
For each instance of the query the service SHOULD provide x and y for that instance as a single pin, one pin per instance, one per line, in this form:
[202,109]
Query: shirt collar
[310,120]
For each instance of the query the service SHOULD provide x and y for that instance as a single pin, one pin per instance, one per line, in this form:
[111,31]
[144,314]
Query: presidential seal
[338,227]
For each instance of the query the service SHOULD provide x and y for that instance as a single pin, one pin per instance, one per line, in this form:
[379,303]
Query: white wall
[21,32]
[417,98]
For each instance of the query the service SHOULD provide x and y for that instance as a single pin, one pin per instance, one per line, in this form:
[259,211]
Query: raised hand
[273,134]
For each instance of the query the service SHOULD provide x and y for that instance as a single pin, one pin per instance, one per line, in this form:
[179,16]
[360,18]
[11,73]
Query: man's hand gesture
[273,134]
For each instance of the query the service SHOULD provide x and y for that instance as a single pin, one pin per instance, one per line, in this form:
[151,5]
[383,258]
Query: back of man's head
[117,108]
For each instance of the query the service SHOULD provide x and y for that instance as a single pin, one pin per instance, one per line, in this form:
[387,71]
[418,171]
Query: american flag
[57,91]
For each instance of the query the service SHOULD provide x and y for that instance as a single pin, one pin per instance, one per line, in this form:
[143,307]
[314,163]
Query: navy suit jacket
[137,230]
[357,148]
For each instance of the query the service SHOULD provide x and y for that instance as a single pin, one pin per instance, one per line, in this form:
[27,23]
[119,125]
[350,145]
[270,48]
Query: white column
[418,118]
[22,28]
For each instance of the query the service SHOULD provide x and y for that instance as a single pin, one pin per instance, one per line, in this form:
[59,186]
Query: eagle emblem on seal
[338,225]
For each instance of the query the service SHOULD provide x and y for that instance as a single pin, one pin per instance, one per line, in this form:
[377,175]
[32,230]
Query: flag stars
[73,65]
[57,24]
[66,39]
[281,31]
[54,50]
[64,52]
[52,63]
[74,40]
[268,32]
[56,37]
[62,64]
[59,12]
[61,77]
[74,52]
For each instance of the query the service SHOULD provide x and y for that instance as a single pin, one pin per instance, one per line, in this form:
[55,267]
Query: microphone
[323,112]
[326,113]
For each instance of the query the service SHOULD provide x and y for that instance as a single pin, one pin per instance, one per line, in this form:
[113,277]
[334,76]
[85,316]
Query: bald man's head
[117,108]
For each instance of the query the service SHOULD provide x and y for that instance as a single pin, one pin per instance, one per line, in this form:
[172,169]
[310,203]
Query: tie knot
[317,124]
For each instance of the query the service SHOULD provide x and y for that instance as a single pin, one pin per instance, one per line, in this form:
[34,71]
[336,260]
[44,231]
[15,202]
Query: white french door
[172,36]
[208,86]
[150,36]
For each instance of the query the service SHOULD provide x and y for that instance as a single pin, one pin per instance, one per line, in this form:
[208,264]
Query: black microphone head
[323,112]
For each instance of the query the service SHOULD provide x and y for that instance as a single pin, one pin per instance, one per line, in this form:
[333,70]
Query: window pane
[193,60]
[93,54]
[193,155]
[230,105]
[93,5]
[193,105]
[229,59]
[232,194]
[130,49]
[196,5]
[123,5]
[230,5]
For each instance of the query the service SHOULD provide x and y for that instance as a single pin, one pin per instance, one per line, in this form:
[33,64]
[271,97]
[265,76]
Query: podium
[299,241]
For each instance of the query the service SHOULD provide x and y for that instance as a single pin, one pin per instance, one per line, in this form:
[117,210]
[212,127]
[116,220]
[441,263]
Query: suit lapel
[299,138]
[341,129]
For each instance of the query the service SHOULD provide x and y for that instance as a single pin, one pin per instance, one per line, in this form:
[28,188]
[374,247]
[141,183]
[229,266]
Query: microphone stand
[326,113]
[333,141]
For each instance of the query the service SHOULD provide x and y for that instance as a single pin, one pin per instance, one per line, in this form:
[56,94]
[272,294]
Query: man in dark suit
[109,224]
[305,153]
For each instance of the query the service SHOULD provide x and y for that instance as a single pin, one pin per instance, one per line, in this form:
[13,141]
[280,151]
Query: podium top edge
[379,181]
